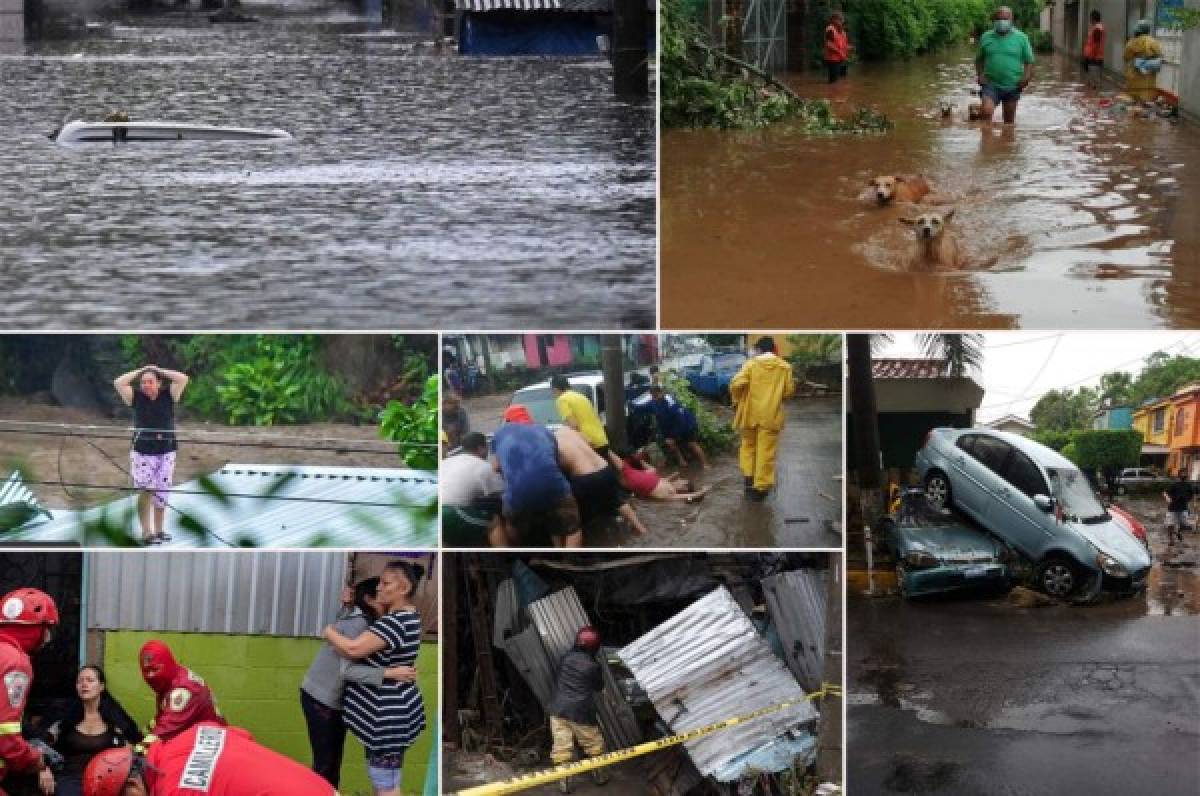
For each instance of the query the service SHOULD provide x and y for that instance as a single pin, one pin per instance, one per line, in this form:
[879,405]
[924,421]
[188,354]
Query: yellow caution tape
[10,728]
[533,779]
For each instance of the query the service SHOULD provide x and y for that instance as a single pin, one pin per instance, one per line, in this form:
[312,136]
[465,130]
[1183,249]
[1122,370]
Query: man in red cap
[538,503]
[207,759]
[572,708]
[27,617]
[182,697]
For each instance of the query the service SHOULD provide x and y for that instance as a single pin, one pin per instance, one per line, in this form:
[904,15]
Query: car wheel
[937,490]
[1059,577]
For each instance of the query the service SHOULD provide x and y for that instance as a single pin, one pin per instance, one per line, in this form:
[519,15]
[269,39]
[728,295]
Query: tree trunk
[614,390]
[866,424]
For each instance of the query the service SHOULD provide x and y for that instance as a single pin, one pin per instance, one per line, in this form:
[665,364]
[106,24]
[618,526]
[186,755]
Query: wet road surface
[976,694]
[803,511]
[1080,217]
[421,189]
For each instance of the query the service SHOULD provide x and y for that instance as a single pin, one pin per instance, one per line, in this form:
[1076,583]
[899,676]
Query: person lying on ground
[208,758]
[472,497]
[1003,66]
[678,427]
[539,508]
[91,721]
[152,460]
[593,482]
[182,698]
[640,478]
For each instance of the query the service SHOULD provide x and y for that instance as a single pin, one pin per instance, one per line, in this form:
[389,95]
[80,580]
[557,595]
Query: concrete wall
[1189,73]
[256,680]
[12,21]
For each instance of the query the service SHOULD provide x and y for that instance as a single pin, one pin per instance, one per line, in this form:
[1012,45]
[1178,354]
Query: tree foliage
[715,434]
[1064,410]
[1104,450]
[414,427]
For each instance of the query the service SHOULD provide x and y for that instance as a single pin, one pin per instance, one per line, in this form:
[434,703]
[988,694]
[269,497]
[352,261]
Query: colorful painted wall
[256,680]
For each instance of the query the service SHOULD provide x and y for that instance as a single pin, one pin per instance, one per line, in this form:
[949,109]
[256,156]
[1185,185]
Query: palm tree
[961,352]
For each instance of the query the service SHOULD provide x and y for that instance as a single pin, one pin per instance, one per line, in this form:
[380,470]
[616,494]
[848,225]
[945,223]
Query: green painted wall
[256,680]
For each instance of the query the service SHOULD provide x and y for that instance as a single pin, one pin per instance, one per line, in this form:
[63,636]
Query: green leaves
[715,434]
[414,427]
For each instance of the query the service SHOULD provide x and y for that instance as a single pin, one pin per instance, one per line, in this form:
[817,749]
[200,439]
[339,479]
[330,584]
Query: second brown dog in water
[937,246]
[898,188]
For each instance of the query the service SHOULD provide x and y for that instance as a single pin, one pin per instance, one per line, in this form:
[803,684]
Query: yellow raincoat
[758,392]
[1141,87]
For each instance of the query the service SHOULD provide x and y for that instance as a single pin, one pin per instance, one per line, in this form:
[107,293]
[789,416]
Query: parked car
[539,400]
[936,551]
[1140,479]
[1039,503]
[711,376]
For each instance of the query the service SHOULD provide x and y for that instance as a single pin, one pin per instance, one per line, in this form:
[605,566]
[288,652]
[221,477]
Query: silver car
[1037,501]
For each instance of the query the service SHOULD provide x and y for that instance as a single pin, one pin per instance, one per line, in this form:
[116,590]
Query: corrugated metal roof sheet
[315,507]
[898,368]
[557,618]
[250,592]
[707,663]
[797,602]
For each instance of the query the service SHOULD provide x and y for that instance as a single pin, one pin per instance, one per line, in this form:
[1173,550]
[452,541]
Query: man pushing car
[209,759]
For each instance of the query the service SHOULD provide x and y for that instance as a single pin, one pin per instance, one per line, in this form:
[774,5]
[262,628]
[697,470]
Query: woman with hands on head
[152,459]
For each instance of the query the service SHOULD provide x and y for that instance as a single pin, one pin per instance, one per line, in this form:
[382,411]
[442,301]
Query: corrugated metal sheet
[557,618]
[318,507]
[707,663]
[797,602]
[247,592]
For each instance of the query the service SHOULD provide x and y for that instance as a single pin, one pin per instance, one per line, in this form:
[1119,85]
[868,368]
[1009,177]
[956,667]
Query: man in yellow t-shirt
[758,392]
[577,412]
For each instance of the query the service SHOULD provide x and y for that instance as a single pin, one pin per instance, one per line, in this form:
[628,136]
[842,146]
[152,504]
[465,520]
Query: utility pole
[611,356]
[631,69]
[489,377]
[829,731]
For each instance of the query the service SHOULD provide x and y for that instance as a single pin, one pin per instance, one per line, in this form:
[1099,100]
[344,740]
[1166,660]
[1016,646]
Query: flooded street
[982,694]
[421,189]
[1083,216]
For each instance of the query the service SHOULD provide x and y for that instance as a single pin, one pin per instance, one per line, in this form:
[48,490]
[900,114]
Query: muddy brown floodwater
[1082,216]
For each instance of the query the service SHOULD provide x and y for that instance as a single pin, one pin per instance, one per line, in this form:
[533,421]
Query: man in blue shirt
[538,503]
[677,425]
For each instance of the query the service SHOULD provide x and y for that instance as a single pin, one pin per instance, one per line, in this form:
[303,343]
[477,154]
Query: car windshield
[540,403]
[1075,496]
[730,361]
[917,512]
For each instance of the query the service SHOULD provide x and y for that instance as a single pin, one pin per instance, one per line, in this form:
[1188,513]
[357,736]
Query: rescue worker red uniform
[208,759]
[26,617]
[182,697]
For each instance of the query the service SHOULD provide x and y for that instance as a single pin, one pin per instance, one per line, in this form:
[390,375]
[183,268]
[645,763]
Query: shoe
[165,537]
[564,785]
[748,480]
[599,777]
[757,495]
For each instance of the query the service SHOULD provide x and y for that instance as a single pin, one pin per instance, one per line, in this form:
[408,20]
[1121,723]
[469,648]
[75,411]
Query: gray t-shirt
[465,478]
[326,678]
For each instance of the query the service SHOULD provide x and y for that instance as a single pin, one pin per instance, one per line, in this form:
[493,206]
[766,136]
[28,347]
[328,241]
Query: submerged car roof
[1047,457]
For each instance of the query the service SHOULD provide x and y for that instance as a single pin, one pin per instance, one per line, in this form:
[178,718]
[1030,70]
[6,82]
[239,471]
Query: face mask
[1003,25]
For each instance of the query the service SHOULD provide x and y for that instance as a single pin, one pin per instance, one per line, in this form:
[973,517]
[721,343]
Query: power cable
[251,496]
[136,429]
[181,437]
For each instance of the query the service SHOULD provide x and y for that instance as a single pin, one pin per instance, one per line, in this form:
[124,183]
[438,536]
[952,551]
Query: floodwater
[1080,216]
[422,189]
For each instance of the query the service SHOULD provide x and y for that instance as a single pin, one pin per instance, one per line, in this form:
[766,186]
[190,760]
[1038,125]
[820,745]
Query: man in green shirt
[1003,67]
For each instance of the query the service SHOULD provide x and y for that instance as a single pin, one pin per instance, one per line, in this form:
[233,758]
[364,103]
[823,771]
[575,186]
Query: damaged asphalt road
[980,695]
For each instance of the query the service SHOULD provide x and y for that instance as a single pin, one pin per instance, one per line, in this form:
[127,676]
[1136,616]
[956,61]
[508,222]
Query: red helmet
[587,638]
[28,607]
[108,772]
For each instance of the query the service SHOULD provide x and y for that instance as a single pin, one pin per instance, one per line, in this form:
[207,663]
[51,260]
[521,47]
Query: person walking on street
[1093,46]
[152,460]
[1003,66]
[1179,496]
[1143,60]
[577,412]
[837,47]
[573,717]
[758,392]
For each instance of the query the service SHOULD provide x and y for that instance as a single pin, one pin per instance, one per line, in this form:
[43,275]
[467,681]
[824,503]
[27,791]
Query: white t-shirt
[464,478]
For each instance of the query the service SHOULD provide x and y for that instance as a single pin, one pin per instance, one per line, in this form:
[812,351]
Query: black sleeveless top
[156,414]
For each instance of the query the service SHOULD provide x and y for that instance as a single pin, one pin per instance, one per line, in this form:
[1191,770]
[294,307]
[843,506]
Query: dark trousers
[326,736]
[837,70]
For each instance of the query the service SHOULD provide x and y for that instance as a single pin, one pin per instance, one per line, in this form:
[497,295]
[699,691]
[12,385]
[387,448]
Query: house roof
[908,368]
[1011,420]
[272,506]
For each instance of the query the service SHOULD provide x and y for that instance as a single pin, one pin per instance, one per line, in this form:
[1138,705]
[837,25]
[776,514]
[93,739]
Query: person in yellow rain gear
[758,392]
[1143,60]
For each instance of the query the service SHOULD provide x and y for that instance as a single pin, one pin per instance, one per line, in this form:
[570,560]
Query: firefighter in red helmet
[573,706]
[181,696]
[207,759]
[27,618]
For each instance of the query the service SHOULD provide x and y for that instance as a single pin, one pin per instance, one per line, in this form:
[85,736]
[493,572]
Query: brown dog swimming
[897,188]
[937,246]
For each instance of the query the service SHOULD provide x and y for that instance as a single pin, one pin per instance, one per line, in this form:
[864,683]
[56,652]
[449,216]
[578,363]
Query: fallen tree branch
[749,67]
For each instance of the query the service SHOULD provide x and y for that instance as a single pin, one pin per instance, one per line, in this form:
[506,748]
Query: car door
[1025,526]
[973,478]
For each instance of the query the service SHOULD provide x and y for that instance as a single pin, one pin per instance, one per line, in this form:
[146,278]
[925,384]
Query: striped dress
[388,719]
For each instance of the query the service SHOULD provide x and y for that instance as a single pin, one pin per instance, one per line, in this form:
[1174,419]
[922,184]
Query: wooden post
[631,70]
[829,734]
[614,390]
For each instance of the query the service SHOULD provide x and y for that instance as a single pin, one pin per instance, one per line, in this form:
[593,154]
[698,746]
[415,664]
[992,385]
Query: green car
[936,552]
